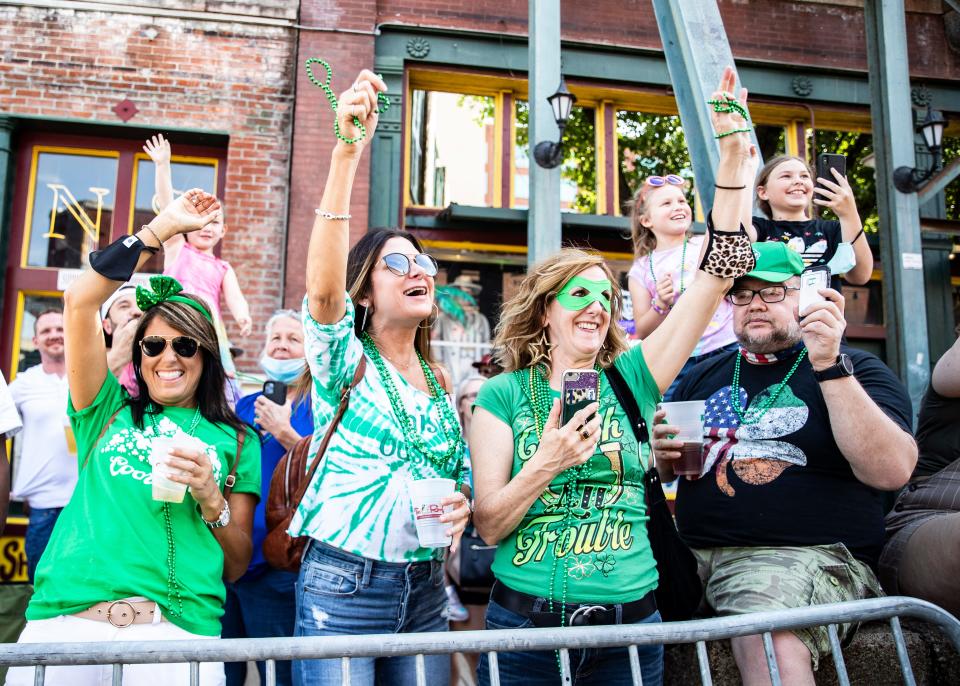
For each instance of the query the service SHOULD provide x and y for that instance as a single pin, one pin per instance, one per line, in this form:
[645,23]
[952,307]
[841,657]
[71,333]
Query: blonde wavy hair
[521,339]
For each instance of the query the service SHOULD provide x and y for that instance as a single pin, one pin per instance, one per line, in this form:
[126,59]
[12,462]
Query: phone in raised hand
[812,280]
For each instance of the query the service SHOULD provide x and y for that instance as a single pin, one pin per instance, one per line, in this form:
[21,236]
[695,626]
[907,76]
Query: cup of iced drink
[687,416]
[425,496]
[68,434]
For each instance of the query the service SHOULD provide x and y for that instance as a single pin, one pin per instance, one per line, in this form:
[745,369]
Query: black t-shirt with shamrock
[781,481]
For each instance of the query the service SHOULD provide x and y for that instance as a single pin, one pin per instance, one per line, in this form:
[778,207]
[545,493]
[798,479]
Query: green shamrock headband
[165,289]
[594,293]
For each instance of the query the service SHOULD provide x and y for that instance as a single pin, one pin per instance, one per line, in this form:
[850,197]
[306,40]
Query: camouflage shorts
[741,580]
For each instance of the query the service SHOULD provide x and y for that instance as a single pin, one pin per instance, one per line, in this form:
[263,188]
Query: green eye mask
[594,293]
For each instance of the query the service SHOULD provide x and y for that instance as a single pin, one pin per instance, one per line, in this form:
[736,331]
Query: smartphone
[811,281]
[275,391]
[827,161]
[578,389]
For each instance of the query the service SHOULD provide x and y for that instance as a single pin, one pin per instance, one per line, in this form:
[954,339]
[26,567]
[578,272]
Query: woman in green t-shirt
[564,502]
[123,563]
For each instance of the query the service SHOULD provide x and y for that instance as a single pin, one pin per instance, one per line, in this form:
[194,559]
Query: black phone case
[275,391]
[827,161]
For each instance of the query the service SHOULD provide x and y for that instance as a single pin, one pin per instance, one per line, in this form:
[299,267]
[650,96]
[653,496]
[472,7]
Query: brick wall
[180,73]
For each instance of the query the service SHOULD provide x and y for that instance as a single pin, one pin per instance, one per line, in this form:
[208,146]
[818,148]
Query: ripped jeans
[340,594]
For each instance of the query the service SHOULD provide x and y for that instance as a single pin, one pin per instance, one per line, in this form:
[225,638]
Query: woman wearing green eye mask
[564,502]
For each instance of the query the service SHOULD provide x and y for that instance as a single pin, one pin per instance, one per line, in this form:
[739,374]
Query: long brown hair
[644,239]
[764,176]
[210,393]
[362,259]
[521,340]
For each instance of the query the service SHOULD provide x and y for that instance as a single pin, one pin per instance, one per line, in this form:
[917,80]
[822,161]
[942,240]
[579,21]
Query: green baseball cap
[776,262]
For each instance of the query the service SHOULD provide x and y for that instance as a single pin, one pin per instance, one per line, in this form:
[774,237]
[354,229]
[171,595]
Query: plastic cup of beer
[425,496]
[687,416]
[165,489]
[68,434]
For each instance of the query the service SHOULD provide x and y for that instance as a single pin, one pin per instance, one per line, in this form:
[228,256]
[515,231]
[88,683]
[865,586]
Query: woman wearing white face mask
[263,602]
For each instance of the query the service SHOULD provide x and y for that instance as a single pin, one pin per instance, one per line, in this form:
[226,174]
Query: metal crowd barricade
[347,648]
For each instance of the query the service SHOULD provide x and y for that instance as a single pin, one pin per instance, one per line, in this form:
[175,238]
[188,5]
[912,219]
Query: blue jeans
[592,666]
[42,520]
[693,362]
[341,594]
[262,607]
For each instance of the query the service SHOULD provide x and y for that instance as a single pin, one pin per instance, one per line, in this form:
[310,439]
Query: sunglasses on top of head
[183,346]
[657,181]
[400,264]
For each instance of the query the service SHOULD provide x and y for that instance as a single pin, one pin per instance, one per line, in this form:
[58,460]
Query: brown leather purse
[289,484]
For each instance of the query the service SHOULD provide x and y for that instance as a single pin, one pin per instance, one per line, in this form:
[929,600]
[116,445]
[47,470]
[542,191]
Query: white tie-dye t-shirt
[358,500]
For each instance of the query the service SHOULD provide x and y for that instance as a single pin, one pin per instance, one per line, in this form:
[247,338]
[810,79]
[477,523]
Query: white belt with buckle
[123,613]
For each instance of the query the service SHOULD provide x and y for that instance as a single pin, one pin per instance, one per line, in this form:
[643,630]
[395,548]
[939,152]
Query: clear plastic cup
[68,434]
[687,416]
[425,496]
[165,489]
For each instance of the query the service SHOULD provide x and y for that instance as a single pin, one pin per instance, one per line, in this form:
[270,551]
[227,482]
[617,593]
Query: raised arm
[236,303]
[946,375]
[85,350]
[158,148]
[330,238]
[667,348]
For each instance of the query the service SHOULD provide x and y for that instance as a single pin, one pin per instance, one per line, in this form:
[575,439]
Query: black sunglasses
[183,346]
[400,264]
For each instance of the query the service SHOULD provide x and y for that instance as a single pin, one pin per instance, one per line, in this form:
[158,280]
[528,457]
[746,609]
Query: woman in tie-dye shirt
[364,570]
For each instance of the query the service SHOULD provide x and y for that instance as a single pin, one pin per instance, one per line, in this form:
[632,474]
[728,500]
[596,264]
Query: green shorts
[742,580]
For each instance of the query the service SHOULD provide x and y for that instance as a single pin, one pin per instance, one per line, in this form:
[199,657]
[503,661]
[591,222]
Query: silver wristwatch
[222,520]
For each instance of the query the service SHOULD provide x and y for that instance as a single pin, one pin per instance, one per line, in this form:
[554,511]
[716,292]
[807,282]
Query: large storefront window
[72,200]
[73,195]
[451,149]
[648,145]
[856,146]
[578,171]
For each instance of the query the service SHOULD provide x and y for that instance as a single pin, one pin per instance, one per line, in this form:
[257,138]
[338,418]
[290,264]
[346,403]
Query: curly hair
[521,339]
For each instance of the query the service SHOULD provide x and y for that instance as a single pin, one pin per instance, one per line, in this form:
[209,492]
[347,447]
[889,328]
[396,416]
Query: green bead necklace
[683,266]
[538,391]
[448,421]
[729,104]
[753,415]
[382,99]
[173,584]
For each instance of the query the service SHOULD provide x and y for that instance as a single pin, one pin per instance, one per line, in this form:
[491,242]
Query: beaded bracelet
[656,308]
[382,99]
[330,215]
[732,131]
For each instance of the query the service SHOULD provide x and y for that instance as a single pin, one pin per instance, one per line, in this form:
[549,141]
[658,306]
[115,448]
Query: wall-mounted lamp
[547,153]
[910,179]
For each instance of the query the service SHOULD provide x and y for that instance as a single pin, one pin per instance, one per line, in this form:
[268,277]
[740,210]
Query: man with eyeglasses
[801,437]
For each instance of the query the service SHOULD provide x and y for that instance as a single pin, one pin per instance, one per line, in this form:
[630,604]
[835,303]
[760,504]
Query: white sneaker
[456,612]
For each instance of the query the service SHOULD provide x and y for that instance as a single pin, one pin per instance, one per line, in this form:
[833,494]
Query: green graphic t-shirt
[604,553]
[110,541]
[358,500]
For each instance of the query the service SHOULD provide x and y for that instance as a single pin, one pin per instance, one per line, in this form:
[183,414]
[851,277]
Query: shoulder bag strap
[341,408]
[629,404]
[232,476]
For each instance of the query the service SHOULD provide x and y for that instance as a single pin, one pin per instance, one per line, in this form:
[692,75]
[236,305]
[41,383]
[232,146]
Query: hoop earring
[431,322]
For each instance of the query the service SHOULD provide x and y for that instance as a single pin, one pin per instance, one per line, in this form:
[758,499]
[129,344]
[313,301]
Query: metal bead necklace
[448,421]
[173,584]
[382,100]
[752,415]
[683,266]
